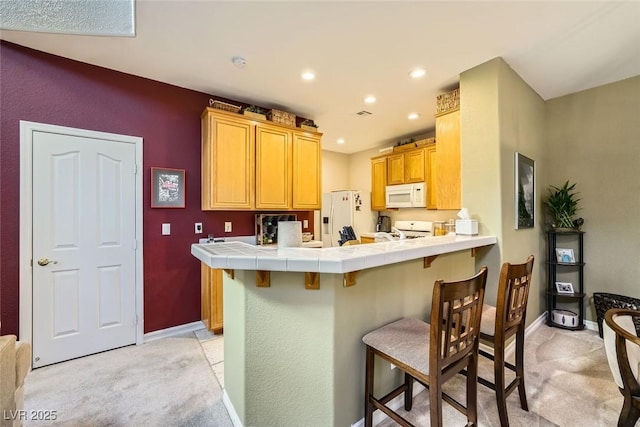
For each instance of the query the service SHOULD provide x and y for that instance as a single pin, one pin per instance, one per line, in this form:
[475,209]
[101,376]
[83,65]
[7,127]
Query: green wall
[295,357]
[594,140]
[501,114]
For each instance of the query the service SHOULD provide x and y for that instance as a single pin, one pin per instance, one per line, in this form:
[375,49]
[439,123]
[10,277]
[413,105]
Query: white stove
[406,230]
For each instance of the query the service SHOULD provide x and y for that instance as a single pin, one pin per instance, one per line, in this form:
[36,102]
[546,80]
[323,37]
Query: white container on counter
[467,227]
[289,234]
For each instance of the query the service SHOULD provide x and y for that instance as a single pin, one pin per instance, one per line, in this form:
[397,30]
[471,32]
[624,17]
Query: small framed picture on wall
[167,188]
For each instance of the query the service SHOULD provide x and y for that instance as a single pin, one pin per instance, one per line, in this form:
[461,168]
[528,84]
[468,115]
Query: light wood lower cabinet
[211,298]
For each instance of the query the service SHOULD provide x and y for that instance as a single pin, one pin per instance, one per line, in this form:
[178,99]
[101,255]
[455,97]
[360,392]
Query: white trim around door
[27,130]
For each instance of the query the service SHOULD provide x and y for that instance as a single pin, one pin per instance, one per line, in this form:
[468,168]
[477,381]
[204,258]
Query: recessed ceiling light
[369,99]
[308,75]
[413,116]
[416,73]
[340,141]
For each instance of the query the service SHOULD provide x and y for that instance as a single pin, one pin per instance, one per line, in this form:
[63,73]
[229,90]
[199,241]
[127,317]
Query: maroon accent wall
[44,88]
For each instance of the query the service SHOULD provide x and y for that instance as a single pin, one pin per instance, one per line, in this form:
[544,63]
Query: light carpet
[167,382]
[568,384]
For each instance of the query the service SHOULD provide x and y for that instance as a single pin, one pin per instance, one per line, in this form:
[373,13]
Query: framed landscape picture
[524,191]
[167,188]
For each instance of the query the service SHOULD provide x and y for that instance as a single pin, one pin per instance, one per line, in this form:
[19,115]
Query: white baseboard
[175,330]
[235,419]
[591,325]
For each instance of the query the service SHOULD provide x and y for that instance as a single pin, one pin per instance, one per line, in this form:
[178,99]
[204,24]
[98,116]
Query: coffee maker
[384,224]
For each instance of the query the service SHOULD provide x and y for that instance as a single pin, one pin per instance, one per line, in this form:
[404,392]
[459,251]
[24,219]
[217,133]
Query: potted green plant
[309,125]
[562,203]
[255,112]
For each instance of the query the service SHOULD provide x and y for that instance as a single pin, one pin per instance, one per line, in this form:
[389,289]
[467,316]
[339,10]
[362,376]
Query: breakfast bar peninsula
[294,320]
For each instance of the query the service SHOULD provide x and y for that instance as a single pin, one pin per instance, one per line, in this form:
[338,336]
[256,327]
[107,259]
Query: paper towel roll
[289,234]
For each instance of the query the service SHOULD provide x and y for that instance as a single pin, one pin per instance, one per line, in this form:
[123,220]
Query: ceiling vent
[363,113]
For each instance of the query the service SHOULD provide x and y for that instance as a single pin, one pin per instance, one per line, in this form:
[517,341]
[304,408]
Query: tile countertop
[242,256]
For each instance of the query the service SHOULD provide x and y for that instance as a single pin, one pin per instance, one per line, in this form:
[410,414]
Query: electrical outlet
[166,229]
[227,227]
[305,223]
[198,228]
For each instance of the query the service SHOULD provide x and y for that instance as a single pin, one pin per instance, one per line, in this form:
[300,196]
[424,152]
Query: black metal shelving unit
[565,301]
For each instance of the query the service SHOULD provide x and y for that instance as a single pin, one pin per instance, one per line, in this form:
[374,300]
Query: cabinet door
[432,173]
[395,169]
[211,298]
[448,160]
[273,167]
[228,150]
[307,172]
[378,183]
[415,166]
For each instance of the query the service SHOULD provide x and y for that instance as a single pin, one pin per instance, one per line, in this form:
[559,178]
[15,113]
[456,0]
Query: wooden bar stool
[431,353]
[499,323]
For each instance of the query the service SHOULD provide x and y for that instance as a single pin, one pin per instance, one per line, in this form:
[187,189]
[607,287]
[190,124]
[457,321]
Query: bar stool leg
[408,392]
[501,397]
[520,368]
[472,391]
[368,387]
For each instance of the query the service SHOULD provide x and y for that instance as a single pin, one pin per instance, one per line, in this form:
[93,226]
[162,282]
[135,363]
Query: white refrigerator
[345,208]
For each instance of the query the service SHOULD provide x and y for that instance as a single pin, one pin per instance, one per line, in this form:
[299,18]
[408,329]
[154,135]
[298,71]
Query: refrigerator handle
[331,222]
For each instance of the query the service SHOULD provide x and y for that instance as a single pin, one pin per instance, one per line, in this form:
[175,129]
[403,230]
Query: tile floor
[213,347]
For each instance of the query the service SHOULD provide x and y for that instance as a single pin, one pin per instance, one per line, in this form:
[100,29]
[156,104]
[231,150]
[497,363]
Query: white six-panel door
[84,260]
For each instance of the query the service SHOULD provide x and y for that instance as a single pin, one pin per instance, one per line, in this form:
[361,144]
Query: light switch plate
[166,229]
[227,227]
[305,223]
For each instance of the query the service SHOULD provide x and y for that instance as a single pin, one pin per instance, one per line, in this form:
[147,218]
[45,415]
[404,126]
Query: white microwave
[406,195]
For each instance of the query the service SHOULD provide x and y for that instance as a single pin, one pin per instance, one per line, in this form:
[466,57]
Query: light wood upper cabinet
[407,167]
[378,183]
[307,171]
[415,166]
[250,164]
[432,173]
[395,169]
[228,164]
[448,160]
[273,167]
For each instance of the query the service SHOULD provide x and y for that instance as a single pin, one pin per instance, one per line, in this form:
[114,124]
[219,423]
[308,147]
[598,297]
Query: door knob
[46,261]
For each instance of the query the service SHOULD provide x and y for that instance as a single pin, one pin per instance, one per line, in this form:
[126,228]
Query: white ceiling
[359,48]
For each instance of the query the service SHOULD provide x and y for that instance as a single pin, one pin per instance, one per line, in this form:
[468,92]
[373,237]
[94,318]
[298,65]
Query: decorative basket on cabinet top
[282,117]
